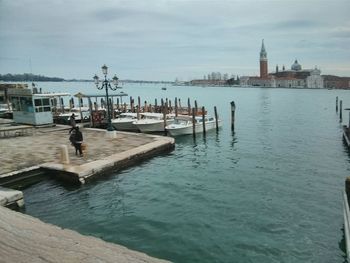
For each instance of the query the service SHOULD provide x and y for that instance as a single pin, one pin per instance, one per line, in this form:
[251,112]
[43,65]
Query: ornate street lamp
[106,84]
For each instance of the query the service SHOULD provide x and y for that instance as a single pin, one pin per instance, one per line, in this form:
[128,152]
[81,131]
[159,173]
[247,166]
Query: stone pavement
[17,153]
[27,239]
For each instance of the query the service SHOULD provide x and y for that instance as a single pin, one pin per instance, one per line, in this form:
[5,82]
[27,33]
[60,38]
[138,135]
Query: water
[269,192]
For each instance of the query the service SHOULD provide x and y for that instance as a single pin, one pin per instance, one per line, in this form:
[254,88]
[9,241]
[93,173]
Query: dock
[27,239]
[40,152]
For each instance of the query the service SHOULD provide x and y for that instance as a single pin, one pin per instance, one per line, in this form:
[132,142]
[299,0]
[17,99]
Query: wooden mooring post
[131,104]
[336,104]
[216,118]
[193,122]
[189,106]
[203,119]
[341,111]
[138,107]
[196,107]
[176,113]
[233,109]
[165,110]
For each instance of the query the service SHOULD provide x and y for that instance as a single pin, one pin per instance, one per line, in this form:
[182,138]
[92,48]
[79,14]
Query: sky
[169,39]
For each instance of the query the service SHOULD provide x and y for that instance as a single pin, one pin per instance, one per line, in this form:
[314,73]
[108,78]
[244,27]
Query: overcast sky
[168,39]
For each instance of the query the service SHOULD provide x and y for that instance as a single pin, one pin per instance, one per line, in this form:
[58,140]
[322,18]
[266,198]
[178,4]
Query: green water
[269,192]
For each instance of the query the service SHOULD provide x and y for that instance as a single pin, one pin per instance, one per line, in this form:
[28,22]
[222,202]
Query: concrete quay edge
[28,239]
[81,173]
[14,173]
[10,197]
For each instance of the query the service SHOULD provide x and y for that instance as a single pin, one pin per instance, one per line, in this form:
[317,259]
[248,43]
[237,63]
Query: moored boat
[183,125]
[5,110]
[124,122]
[78,113]
[153,122]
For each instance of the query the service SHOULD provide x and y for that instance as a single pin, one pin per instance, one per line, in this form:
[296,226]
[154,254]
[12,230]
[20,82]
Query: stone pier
[27,239]
[45,150]
[11,198]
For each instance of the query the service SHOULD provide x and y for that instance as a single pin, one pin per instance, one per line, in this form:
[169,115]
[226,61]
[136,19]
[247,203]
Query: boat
[78,113]
[182,125]
[5,111]
[153,122]
[164,88]
[124,122]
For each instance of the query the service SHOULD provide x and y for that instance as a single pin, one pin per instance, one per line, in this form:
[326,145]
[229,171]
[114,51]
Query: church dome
[296,65]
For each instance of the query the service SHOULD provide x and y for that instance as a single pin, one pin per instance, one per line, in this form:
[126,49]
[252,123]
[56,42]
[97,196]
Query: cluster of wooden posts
[346,193]
[341,110]
[346,129]
[165,106]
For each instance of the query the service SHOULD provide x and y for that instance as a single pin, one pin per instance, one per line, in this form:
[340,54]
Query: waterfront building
[335,82]
[296,77]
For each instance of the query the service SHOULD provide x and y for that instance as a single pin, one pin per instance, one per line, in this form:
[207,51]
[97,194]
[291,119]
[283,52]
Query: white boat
[182,125]
[124,122]
[78,113]
[153,122]
[5,110]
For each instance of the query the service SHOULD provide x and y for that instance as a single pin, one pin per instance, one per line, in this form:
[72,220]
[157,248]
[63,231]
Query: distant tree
[27,77]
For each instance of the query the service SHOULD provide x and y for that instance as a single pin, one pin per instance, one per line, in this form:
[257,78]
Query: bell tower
[263,61]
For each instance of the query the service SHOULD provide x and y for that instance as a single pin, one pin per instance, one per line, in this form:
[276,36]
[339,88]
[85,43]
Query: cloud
[172,34]
[341,32]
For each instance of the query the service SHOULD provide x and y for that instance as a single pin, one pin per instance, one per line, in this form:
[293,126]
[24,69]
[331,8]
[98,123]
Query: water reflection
[233,139]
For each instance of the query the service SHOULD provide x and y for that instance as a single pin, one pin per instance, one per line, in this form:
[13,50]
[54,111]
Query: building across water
[295,77]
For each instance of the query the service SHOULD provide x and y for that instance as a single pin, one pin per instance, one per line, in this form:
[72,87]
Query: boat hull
[149,126]
[177,130]
[124,125]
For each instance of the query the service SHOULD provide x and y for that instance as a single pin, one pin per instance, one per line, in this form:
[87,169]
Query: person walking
[72,122]
[76,139]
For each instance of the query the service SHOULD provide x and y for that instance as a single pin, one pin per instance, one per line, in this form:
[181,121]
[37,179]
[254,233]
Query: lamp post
[106,84]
